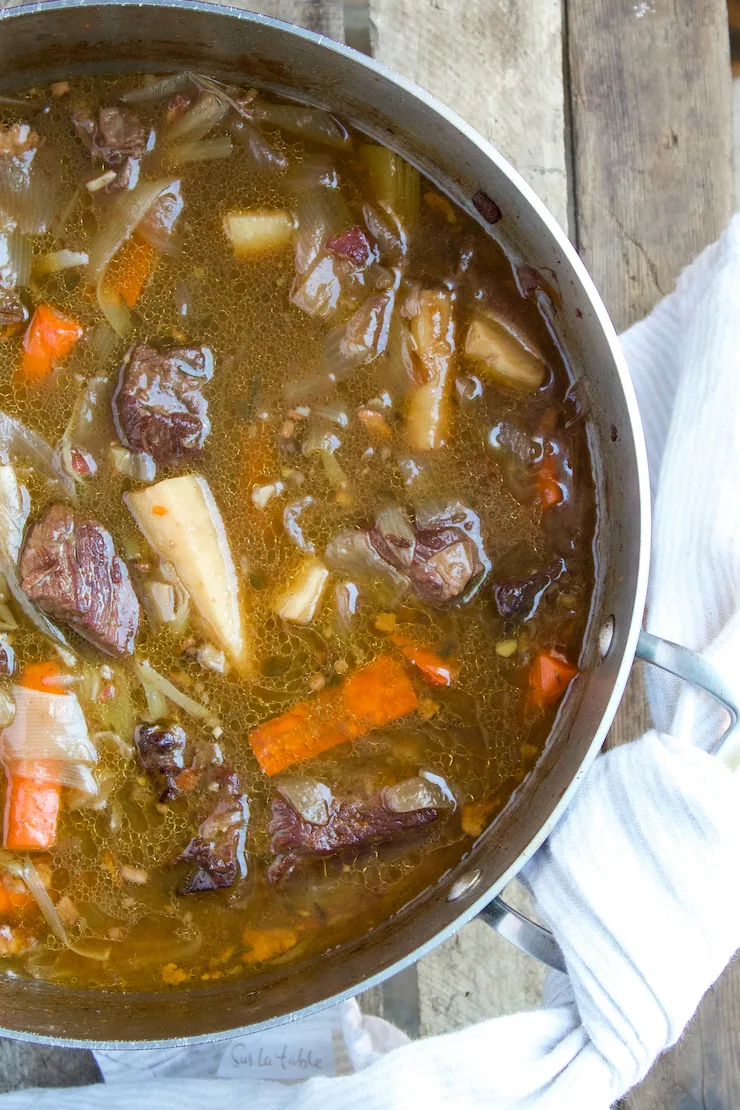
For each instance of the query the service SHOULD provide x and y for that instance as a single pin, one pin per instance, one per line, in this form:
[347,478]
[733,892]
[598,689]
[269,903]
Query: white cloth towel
[637,879]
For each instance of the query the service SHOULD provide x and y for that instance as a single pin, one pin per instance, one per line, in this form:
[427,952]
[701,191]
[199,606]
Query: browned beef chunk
[162,751]
[353,243]
[69,568]
[218,849]
[518,596]
[352,825]
[115,135]
[158,226]
[119,138]
[444,560]
[159,406]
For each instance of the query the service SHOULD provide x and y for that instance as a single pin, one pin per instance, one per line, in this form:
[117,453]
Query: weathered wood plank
[477,975]
[651,127]
[496,62]
[325,17]
[701,1072]
[499,64]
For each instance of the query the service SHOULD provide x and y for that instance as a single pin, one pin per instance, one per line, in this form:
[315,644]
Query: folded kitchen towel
[637,879]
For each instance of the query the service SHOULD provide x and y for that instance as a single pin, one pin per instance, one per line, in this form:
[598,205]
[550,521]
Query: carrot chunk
[435,670]
[46,677]
[31,813]
[6,905]
[549,677]
[49,338]
[267,944]
[372,697]
[32,807]
[130,270]
[549,490]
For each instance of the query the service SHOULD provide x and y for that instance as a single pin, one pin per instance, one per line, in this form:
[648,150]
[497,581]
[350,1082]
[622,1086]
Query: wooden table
[618,113]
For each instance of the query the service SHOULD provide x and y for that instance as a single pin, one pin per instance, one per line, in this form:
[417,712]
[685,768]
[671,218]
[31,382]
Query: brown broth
[479,738]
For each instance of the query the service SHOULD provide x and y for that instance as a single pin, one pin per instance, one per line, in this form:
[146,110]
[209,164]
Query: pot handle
[678,661]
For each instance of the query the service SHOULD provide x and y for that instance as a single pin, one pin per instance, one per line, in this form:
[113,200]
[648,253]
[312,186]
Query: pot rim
[590,291]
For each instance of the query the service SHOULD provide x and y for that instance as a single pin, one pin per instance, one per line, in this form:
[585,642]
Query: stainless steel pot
[49,40]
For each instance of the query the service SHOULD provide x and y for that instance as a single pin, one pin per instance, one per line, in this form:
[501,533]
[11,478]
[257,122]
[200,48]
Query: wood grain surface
[325,17]
[652,162]
[496,62]
[652,141]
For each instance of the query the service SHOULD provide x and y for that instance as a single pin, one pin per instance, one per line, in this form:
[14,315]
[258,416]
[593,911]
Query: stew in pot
[296,523]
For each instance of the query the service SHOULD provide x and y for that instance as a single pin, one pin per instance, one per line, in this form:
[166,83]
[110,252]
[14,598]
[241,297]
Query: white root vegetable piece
[181,521]
[432,334]
[258,230]
[300,599]
[504,355]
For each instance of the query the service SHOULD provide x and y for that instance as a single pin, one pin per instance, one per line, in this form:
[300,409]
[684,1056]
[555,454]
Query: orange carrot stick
[31,814]
[549,490]
[549,677]
[32,807]
[49,338]
[6,905]
[130,270]
[436,670]
[46,677]
[370,698]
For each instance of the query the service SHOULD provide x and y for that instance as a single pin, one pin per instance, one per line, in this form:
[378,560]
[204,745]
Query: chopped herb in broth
[296,532]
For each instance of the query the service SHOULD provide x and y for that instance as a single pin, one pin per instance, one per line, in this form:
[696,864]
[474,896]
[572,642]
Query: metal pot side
[50,40]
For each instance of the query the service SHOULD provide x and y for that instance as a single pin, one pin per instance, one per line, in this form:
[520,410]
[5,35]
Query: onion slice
[203,150]
[13,514]
[126,213]
[308,123]
[25,870]
[158,90]
[55,261]
[352,553]
[151,679]
[208,111]
[309,798]
[48,741]
[15,258]
[319,214]
[424,791]
[291,513]
[89,429]
[266,157]
[16,439]
[395,528]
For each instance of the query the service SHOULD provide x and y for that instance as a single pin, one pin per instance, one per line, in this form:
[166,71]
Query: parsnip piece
[300,599]
[181,521]
[505,357]
[258,230]
[432,333]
